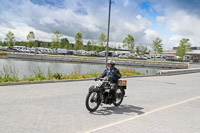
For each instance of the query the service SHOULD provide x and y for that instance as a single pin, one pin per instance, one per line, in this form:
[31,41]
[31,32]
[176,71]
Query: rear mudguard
[93,89]
[123,89]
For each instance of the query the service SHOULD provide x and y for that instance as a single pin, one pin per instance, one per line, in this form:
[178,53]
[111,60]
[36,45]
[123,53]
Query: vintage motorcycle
[101,93]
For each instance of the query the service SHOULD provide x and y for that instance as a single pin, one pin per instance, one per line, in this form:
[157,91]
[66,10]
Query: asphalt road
[163,104]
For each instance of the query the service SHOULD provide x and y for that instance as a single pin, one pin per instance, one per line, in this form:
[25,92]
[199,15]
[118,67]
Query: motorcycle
[101,94]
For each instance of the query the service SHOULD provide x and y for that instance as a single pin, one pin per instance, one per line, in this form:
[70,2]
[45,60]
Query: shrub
[180,59]
[128,72]
[57,76]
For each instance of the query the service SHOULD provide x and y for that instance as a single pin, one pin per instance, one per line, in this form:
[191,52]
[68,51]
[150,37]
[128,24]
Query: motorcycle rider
[113,75]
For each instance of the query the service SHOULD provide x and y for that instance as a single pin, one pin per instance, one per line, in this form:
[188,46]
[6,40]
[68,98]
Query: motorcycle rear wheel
[120,96]
[92,101]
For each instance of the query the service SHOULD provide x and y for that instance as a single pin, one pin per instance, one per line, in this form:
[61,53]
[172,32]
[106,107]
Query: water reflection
[27,67]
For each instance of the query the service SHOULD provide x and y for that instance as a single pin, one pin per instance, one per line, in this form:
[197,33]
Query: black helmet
[111,62]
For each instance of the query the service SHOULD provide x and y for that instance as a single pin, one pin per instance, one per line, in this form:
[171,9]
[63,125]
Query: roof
[194,52]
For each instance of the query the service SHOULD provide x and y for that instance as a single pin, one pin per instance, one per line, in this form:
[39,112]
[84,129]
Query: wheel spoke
[93,100]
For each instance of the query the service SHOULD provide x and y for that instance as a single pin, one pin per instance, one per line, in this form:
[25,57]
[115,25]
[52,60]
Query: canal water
[30,67]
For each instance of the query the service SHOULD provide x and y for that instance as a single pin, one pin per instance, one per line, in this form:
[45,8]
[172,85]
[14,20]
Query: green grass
[9,74]
[2,53]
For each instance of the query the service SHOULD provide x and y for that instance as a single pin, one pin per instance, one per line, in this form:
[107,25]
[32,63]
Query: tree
[1,43]
[184,46]
[31,39]
[78,41]
[114,48]
[10,39]
[129,43]
[56,39]
[119,47]
[102,41]
[141,50]
[157,46]
[88,46]
[65,43]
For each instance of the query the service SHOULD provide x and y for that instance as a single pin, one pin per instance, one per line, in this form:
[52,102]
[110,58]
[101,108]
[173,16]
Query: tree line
[59,42]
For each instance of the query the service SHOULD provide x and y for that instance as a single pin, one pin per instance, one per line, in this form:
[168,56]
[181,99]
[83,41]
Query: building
[194,54]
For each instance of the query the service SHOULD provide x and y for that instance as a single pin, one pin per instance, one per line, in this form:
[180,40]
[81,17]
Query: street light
[108,32]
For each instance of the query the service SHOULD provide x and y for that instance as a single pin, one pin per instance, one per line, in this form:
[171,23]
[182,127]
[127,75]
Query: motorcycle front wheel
[92,101]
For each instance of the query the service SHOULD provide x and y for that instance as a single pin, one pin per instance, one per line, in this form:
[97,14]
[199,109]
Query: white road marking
[147,113]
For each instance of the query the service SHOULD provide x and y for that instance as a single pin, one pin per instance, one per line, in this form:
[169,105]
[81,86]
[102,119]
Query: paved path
[166,104]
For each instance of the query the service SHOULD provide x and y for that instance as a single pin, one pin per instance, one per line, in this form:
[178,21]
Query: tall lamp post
[108,32]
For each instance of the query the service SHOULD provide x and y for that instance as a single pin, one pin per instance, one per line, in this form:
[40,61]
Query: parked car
[123,56]
[4,48]
[32,50]
[92,52]
[70,52]
[152,56]
[195,60]
[12,48]
[62,51]
[102,54]
[81,52]
[158,56]
[18,48]
[178,57]
[170,57]
[133,55]
[147,56]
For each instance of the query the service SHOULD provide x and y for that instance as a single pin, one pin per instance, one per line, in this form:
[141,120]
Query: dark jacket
[113,74]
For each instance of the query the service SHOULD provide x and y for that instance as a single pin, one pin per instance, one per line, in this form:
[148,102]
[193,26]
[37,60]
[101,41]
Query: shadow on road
[123,109]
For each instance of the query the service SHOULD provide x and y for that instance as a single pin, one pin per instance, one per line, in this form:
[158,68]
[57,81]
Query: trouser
[113,91]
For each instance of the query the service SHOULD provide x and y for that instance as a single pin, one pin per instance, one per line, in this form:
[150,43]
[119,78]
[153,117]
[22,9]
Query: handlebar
[102,79]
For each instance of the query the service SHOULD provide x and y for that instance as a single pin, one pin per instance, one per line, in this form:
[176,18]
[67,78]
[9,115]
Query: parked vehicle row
[39,50]
[120,54]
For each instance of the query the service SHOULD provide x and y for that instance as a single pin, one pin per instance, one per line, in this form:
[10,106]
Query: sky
[170,20]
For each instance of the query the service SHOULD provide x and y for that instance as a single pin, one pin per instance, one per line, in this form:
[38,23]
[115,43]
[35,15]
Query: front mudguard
[93,89]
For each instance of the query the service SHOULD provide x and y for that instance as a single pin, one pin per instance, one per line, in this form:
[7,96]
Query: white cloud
[150,35]
[160,19]
[43,20]
[22,31]
[184,23]
[126,3]
[172,41]
[175,38]
[134,27]
[138,17]
[47,20]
